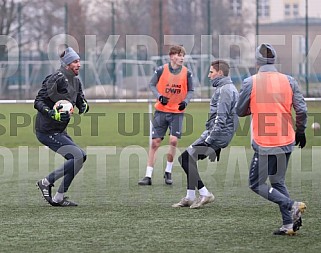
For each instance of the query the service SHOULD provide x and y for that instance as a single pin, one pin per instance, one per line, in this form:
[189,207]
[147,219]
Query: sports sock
[58,197]
[149,171]
[190,194]
[288,226]
[169,167]
[45,182]
[203,191]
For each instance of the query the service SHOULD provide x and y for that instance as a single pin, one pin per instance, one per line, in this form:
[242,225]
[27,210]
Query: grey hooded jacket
[223,120]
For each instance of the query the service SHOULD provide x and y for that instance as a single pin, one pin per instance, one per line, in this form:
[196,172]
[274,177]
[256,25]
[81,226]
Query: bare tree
[8,21]
[55,17]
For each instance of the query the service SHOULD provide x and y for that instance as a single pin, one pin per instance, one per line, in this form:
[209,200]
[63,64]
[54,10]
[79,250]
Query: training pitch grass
[117,215]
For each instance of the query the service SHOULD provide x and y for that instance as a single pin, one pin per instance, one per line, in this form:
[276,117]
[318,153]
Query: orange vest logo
[173,88]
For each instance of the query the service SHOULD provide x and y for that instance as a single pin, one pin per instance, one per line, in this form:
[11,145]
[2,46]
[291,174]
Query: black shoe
[145,181]
[168,178]
[284,231]
[64,203]
[45,190]
[297,224]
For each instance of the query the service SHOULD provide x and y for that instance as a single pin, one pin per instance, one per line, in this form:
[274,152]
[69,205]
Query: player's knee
[173,142]
[155,143]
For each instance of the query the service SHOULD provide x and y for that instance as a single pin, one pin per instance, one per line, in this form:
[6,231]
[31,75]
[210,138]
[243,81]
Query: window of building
[295,10]
[264,8]
[236,7]
[287,10]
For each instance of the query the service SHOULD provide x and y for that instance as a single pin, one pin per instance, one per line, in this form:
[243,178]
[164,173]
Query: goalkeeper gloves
[84,107]
[58,116]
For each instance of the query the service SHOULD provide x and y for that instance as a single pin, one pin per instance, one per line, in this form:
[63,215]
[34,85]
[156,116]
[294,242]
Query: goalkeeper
[51,124]
[220,128]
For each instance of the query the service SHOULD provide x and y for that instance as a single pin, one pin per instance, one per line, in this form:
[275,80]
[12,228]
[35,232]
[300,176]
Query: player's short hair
[177,50]
[221,65]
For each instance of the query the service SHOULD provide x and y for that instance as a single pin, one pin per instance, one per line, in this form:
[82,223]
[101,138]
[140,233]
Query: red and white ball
[66,106]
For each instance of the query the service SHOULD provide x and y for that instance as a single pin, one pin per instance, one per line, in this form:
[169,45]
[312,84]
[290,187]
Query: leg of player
[147,180]
[173,140]
[62,144]
[189,165]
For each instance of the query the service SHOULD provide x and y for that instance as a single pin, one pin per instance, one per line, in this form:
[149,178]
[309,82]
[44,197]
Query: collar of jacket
[220,80]
[67,72]
[174,71]
[267,68]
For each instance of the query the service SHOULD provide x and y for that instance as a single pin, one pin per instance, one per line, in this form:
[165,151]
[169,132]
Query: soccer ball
[66,106]
[315,126]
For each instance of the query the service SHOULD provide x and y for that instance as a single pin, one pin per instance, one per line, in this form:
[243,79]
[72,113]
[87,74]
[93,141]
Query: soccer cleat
[184,202]
[297,224]
[168,178]
[64,203]
[202,200]
[297,210]
[145,181]
[284,231]
[45,190]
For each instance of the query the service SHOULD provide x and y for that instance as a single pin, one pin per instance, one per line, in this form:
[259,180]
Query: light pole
[209,41]
[160,28]
[113,54]
[66,19]
[257,23]
[20,44]
[307,47]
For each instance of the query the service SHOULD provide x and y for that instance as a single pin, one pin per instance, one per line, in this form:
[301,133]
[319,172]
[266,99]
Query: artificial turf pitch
[117,215]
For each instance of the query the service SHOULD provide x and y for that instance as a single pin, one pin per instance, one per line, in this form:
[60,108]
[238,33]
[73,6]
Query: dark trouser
[188,160]
[273,167]
[75,156]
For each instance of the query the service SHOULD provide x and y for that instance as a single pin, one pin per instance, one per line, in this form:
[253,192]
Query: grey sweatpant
[75,156]
[273,167]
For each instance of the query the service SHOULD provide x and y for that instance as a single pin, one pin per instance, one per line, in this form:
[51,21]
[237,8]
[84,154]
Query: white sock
[169,167]
[45,182]
[58,197]
[149,171]
[190,194]
[203,191]
[288,226]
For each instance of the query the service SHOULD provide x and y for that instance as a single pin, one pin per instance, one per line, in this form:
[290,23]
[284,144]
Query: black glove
[215,155]
[300,139]
[164,100]
[182,105]
[59,116]
[84,107]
